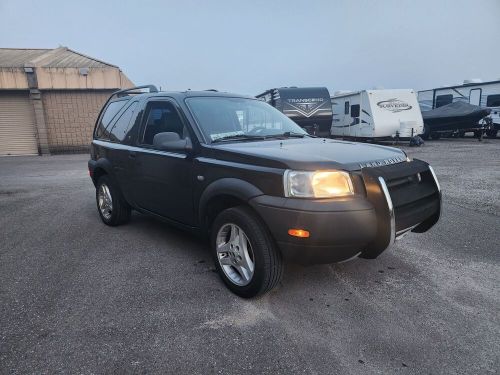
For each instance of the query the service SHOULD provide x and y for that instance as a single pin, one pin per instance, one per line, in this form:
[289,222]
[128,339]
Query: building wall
[70,116]
[13,78]
[65,79]
[70,78]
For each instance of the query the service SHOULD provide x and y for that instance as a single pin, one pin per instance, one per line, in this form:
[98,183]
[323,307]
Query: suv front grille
[413,192]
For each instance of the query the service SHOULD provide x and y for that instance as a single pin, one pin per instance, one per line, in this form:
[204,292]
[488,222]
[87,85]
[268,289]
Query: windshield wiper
[238,137]
[287,135]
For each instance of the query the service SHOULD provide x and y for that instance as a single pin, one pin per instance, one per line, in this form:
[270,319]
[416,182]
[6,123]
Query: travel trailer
[472,91]
[309,107]
[376,114]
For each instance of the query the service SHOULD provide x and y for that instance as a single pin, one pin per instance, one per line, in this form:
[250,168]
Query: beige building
[50,98]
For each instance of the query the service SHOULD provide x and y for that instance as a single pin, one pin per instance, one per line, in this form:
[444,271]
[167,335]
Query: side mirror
[171,141]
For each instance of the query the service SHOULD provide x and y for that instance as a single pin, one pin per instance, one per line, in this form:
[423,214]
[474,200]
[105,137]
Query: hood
[309,154]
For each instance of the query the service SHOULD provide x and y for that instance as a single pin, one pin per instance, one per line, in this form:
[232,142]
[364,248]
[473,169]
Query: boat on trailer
[472,91]
[458,116]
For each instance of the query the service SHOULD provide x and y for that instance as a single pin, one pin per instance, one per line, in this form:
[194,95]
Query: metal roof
[61,57]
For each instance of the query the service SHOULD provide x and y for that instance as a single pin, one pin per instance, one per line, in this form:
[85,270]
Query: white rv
[473,91]
[376,114]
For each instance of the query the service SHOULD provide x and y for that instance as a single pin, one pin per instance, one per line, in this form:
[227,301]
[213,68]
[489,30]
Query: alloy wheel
[105,201]
[235,254]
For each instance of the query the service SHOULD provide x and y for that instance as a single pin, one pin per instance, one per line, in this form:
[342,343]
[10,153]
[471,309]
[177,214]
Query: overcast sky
[250,46]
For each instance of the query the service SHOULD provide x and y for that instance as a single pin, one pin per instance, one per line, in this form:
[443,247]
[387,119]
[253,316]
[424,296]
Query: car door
[162,180]
[118,153]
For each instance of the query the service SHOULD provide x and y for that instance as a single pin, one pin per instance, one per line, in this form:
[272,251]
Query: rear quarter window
[108,115]
[119,129]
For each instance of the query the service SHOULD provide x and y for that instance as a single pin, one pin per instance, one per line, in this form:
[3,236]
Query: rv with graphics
[309,107]
[473,91]
[376,114]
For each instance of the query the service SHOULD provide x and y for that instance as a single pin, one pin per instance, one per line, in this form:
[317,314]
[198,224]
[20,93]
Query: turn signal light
[298,233]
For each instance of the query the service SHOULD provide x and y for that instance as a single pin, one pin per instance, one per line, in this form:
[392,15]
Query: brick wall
[70,116]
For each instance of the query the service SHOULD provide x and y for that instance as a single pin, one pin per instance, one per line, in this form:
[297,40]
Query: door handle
[132,154]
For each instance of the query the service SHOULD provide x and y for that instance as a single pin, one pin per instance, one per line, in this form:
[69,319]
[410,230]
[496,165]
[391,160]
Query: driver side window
[161,117]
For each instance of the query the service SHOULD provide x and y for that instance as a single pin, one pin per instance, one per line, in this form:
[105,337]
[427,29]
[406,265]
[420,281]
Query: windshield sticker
[227,134]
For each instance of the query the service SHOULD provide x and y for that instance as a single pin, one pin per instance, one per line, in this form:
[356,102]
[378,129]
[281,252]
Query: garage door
[17,125]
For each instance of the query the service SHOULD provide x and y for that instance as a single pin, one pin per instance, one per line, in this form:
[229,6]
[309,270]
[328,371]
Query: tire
[238,240]
[435,135]
[492,133]
[119,211]
[461,134]
[426,133]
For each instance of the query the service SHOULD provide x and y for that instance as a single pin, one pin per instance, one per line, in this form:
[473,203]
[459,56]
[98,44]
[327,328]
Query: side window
[120,128]
[161,117]
[346,108]
[109,113]
[355,110]
[443,100]
[493,101]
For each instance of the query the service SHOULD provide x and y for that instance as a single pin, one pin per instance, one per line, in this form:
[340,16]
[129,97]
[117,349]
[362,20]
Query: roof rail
[120,93]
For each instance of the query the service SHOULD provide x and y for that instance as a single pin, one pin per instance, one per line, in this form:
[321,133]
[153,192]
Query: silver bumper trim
[390,207]
[403,232]
[439,191]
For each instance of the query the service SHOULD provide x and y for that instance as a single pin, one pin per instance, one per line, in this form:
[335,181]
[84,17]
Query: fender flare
[101,163]
[235,187]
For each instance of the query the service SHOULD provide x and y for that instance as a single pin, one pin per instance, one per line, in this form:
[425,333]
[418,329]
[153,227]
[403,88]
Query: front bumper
[396,199]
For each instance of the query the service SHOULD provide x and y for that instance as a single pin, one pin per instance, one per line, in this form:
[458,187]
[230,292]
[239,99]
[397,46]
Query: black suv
[236,169]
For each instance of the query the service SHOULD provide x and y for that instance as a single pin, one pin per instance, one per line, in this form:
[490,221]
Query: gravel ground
[77,296]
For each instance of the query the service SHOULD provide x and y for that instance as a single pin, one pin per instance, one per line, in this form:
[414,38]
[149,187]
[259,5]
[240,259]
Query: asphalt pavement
[77,296]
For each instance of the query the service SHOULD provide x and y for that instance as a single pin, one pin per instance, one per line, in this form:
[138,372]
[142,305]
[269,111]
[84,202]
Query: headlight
[319,184]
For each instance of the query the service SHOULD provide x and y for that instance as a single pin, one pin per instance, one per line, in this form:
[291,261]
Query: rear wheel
[244,253]
[426,133]
[110,203]
[435,135]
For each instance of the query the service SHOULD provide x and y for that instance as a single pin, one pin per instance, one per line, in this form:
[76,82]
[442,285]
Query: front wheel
[492,133]
[111,205]
[244,253]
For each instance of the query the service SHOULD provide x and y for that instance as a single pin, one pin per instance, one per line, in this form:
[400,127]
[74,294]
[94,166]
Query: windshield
[222,118]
